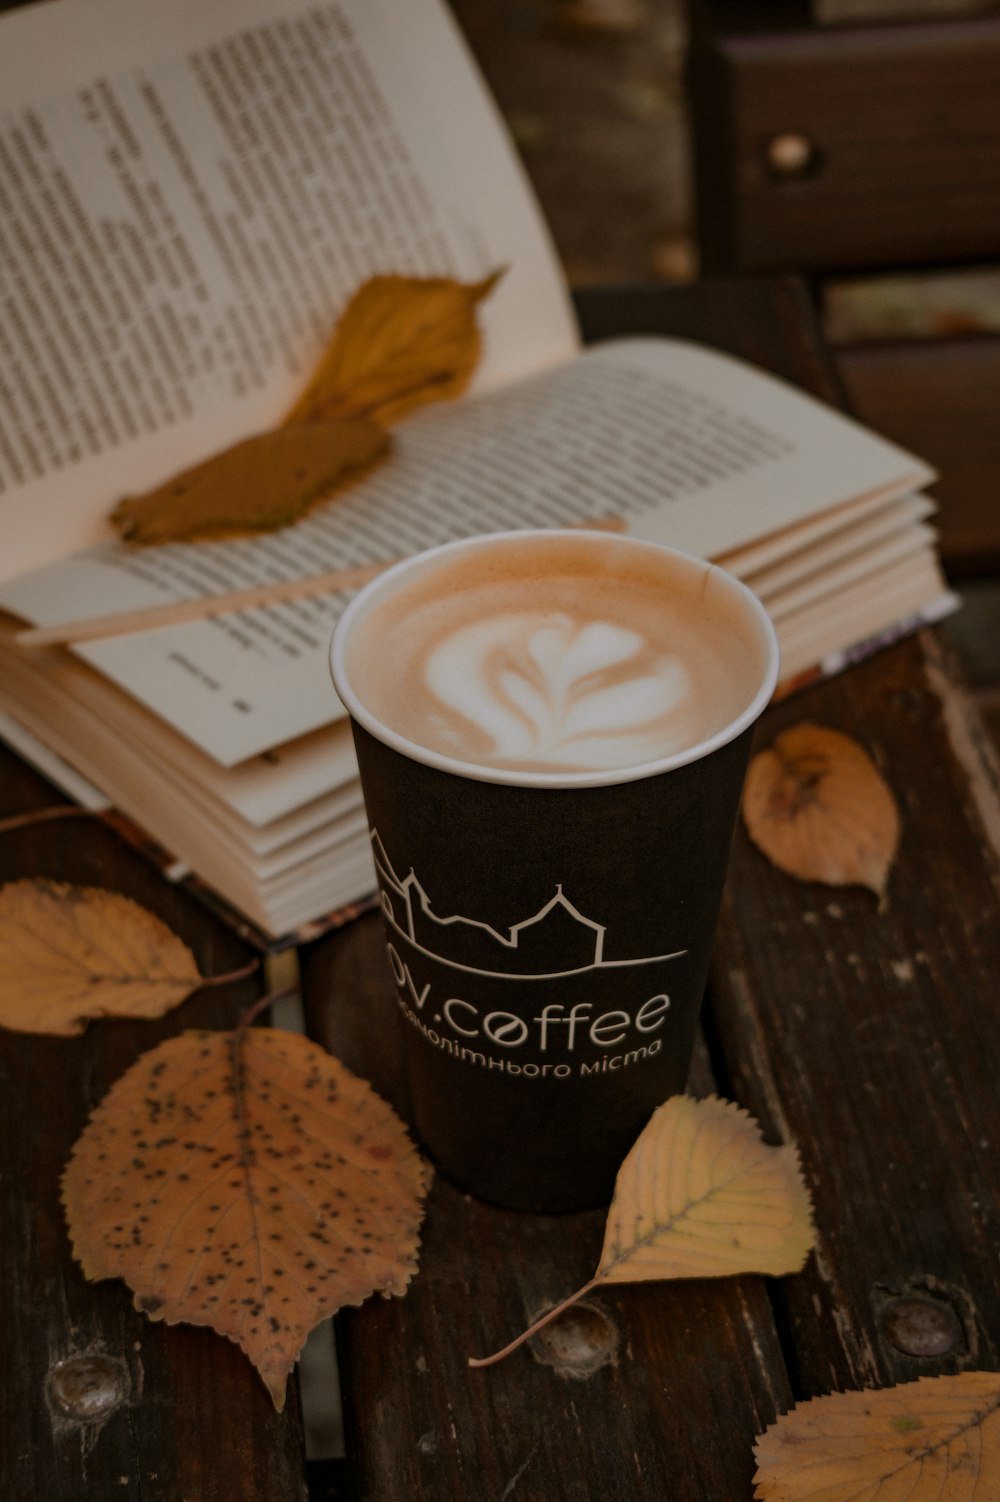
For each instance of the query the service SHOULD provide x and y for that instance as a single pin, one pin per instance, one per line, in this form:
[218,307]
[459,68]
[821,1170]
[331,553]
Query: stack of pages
[188,197]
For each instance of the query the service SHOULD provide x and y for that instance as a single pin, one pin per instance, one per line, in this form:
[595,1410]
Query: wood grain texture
[938,397]
[683,1361]
[193,1414]
[870,1036]
[903,165]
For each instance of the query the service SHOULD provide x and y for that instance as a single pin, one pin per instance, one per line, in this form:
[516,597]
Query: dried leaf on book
[817,806]
[249,1182]
[933,1440]
[400,343]
[700,1195]
[257,485]
[71,953]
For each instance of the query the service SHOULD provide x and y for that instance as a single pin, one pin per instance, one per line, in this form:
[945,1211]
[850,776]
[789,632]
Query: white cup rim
[511,777]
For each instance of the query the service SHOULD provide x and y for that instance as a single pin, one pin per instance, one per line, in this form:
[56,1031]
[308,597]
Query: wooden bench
[868,1037]
[861,149]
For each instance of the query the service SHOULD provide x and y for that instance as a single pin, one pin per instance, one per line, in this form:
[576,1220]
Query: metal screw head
[790,154]
[87,1388]
[921,1326]
[578,1343]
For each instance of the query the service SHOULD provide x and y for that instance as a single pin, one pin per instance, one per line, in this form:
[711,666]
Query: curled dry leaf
[262,483]
[249,1182]
[401,342]
[69,953]
[817,806]
[700,1195]
[933,1440]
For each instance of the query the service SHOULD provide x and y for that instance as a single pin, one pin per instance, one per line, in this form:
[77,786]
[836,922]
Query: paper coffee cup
[548,926]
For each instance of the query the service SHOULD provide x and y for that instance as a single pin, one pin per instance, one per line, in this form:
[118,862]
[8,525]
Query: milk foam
[556,691]
[556,654]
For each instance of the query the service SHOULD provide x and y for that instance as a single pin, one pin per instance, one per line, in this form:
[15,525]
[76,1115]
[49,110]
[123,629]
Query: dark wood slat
[871,1037]
[939,398]
[196,1421]
[902,134]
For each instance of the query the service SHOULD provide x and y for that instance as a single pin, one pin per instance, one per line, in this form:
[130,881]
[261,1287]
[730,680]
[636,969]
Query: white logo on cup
[486,950]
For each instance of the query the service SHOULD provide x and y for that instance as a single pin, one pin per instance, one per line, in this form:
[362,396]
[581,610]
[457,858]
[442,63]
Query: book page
[190,192]
[690,447]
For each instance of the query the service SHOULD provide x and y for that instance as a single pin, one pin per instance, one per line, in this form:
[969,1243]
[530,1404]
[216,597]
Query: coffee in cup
[552,730]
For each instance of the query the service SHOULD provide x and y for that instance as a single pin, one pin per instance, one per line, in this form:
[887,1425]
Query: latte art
[555,691]
[552,654]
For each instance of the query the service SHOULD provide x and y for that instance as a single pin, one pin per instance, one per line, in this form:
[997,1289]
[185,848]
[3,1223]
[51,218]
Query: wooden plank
[187,1415]
[870,1037]
[899,136]
[939,398]
[622,1401]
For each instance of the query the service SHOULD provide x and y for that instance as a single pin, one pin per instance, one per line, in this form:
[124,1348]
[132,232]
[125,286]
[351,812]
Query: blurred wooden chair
[847,150]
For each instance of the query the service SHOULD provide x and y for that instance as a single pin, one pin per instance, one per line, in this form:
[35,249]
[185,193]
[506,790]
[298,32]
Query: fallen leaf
[257,485]
[700,1195]
[933,1440]
[400,342]
[249,1182]
[70,953]
[817,806]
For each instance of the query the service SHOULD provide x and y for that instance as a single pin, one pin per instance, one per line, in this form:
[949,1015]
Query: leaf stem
[261,1005]
[244,971]
[43,815]
[545,1319]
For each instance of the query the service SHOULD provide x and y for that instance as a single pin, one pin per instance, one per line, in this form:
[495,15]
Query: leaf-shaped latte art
[552,690]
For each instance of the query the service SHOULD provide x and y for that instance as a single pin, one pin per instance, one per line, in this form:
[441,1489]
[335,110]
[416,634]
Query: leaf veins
[700,1195]
[71,953]
[817,806]
[249,1182]
[933,1440]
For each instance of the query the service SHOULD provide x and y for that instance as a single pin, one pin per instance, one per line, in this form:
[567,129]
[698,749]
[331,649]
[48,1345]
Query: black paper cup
[548,934]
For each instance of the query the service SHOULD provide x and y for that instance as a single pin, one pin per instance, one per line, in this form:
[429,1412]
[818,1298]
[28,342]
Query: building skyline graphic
[555,940]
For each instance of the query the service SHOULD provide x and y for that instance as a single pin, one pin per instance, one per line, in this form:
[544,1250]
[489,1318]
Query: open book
[189,193]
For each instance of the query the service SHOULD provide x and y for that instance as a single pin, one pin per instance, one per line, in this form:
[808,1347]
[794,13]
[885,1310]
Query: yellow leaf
[401,342]
[70,953]
[933,1440]
[259,484]
[817,806]
[249,1182]
[700,1195]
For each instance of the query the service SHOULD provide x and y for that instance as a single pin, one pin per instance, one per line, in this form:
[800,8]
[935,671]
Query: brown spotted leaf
[700,1195]
[817,806]
[262,483]
[933,1440]
[401,342]
[70,953]
[249,1182]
